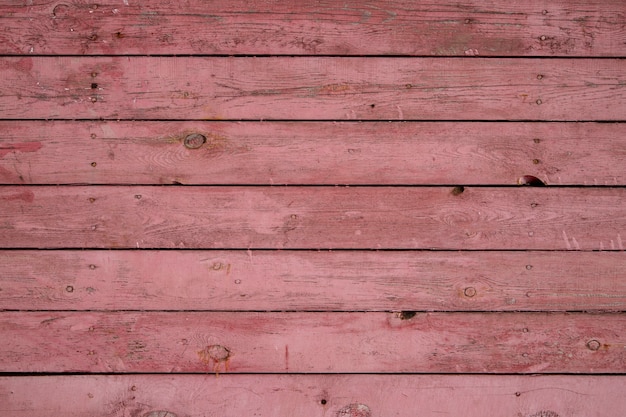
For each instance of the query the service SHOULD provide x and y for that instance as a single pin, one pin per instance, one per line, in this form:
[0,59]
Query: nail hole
[531,181]
[529,267]
[69,288]
[323,402]
[539,102]
[94,85]
[94,99]
[94,74]
[93,164]
[533,205]
[93,136]
[539,77]
[458,190]
[544,12]
[91,199]
[537,140]
[93,37]
[372,105]
[92,266]
[406,315]
[542,38]
[138,196]
[408,85]
[517,394]
[119,35]
[468,20]
[194,141]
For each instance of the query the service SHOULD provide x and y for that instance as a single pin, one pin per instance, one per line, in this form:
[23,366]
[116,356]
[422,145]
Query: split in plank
[332,27]
[403,342]
[314,395]
[318,88]
[312,281]
[207,217]
[438,153]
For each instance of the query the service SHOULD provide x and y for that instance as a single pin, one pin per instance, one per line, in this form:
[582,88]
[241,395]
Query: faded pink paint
[312,281]
[313,88]
[278,153]
[331,27]
[314,395]
[313,218]
[148,342]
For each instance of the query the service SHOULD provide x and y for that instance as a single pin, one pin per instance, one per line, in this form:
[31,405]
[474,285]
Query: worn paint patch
[26,196]
[19,147]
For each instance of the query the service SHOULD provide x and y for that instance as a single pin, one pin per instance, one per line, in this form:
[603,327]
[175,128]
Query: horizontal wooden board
[313,395]
[352,27]
[311,88]
[313,342]
[312,217]
[266,153]
[313,281]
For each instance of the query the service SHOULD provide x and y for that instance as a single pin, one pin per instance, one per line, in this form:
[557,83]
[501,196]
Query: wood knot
[355,410]
[544,413]
[194,141]
[159,414]
[215,354]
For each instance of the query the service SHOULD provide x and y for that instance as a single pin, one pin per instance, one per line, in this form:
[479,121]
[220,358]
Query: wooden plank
[122,342]
[352,27]
[309,153]
[311,88]
[312,217]
[311,281]
[313,395]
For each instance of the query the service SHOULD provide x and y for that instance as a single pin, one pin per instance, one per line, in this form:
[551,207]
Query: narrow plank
[330,27]
[312,217]
[59,152]
[291,342]
[312,281]
[311,88]
[314,395]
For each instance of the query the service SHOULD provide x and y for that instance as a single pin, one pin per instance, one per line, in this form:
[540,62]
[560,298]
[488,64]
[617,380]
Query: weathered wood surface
[325,88]
[312,281]
[312,217]
[314,342]
[59,152]
[334,27]
[313,395]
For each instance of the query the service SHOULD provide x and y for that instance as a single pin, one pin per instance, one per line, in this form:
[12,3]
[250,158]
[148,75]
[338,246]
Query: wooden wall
[330,208]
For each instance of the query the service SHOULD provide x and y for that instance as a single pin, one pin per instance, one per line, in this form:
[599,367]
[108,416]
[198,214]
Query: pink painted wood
[311,88]
[335,27]
[311,153]
[312,281]
[312,217]
[313,395]
[405,342]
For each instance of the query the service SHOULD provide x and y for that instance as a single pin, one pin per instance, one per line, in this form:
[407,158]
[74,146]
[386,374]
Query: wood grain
[122,342]
[312,217]
[314,395]
[312,281]
[443,153]
[296,88]
[352,27]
